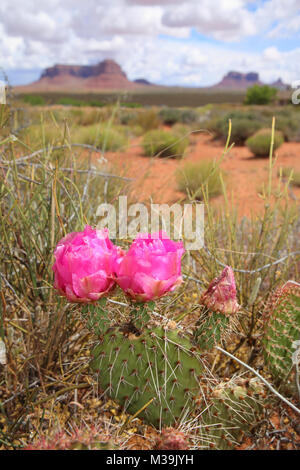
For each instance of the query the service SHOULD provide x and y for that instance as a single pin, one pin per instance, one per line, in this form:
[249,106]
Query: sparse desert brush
[101,136]
[290,174]
[147,119]
[127,117]
[171,116]
[181,129]
[164,144]
[199,179]
[244,124]
[260,142]
[136,131]
[43,135]
[84,116]
[34,100]
[289,125]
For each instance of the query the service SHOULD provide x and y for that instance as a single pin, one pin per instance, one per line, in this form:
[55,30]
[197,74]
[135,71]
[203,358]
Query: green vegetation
[260,94]
[172,116]
[102,137]
[46,385]
[200,180]
[260,142]
[244,124]
[147,120]
[164,144]
[290,174]
[34,100]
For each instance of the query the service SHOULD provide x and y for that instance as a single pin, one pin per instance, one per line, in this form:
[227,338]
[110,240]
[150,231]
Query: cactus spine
[232,409]
[160,367]
[282,328]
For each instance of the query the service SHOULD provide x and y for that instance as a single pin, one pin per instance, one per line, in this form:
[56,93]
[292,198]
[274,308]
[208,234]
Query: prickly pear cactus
[231,409]
[159,365]
[282,328]
[217,311]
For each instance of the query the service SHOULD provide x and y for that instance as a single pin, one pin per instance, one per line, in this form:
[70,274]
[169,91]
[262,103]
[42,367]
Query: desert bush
[260,142]
[147,119]
[38,135]
[84,116]
[34,100]
[101,136]
[130,104]
[260,94]
[287,173]
[244,124]
[172,116]
[200,179]
[127,117]
[289,125]
[71,101]
[164,144]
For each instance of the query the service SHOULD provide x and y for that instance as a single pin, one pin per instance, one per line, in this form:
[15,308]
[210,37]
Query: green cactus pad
[211,328]
[282,328]
[159,364]
[232,409]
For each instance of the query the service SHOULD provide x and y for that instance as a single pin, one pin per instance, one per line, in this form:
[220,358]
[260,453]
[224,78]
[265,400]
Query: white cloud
[150,38]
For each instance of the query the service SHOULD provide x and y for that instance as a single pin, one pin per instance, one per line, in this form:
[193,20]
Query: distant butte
[107,75]
[241,81]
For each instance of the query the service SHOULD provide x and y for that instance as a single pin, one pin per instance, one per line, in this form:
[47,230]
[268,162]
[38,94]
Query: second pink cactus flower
[151,267]
[221,293]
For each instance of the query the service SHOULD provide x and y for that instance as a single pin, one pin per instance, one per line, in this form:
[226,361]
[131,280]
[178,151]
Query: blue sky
[184,42]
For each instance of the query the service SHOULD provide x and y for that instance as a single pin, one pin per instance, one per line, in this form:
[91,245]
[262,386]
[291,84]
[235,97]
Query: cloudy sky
[182,42]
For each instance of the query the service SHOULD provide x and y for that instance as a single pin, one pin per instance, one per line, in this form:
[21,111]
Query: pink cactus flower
[83,268]
[221,293]
[151,268]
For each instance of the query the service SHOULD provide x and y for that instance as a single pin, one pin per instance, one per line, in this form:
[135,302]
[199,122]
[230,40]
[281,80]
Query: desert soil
[245,175]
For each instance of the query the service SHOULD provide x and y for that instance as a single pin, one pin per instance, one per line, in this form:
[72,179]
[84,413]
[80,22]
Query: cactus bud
[221,294]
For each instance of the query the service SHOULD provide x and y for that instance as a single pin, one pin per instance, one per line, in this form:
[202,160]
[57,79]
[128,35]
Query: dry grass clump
[198,179]
[164,144]
[102,136]
[290,174]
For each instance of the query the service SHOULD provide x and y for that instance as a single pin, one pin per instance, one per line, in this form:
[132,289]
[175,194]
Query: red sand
[154,177]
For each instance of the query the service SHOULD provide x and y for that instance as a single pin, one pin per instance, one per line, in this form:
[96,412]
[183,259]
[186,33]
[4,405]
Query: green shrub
[103,137]
[286,173]
[171,116]
[38,136]
[260,94]
[244,124]
[84,116]
[260,142]
[148,120]
[34,100]
[128,117]
[289,126]
[197,179]
[164,144]
[71,101]
[181,130]
[130,105]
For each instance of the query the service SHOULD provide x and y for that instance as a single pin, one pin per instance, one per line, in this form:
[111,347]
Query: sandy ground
[245,175]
